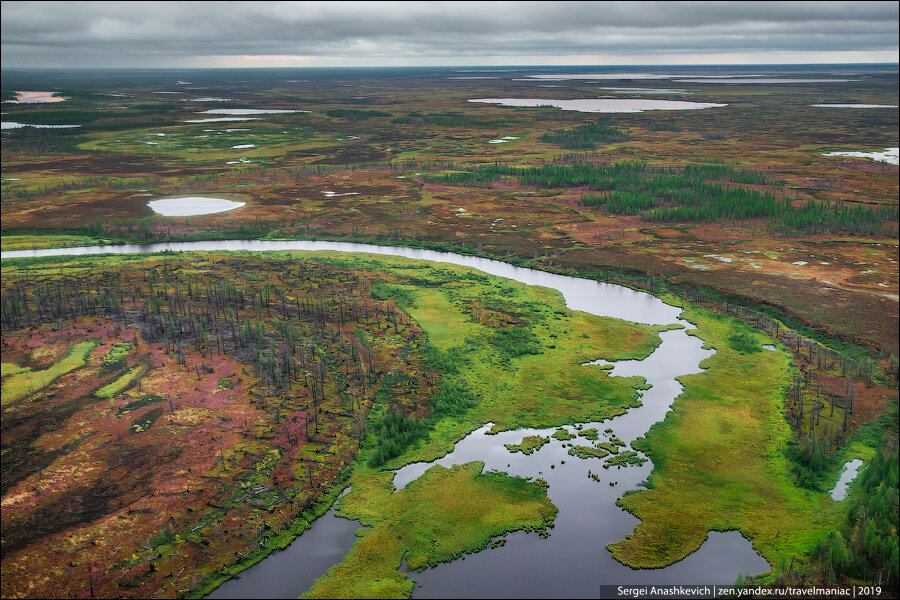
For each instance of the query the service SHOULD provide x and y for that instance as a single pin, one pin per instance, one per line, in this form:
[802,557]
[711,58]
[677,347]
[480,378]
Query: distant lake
[251,111]
[36,98]
[14,125]
[890,155]
[602,105]
[192,206]
[761,80]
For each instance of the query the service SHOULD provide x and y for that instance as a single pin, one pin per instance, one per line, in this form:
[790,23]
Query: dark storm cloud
[176,34]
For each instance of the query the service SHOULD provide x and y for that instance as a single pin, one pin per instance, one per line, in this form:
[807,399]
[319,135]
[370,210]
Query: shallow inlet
[574,560]
[290,572]
[848,474]
[602,105]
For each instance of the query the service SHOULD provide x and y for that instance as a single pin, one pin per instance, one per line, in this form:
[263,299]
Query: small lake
[848,474]
[890,155]
[602,105]
[192,206]
[636,90]
[251,111]
[36,98]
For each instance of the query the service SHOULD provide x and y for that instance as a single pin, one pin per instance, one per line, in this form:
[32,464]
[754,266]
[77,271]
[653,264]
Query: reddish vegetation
[182,473]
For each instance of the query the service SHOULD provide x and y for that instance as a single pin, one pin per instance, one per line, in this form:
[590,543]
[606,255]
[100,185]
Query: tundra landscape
[444,331]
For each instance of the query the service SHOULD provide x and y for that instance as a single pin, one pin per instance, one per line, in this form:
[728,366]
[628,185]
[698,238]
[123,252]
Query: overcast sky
[286,34]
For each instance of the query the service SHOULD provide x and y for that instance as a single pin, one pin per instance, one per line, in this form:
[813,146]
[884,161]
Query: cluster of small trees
[291,320]
[585,137]
[690,194]
[865,548]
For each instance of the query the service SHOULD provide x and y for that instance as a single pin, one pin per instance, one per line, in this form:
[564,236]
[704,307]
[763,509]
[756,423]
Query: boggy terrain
[378,138]
[169,420]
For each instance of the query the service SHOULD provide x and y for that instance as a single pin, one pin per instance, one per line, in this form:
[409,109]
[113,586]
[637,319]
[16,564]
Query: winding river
[573,561]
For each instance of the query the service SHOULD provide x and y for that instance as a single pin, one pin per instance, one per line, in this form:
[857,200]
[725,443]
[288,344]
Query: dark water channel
[573,561]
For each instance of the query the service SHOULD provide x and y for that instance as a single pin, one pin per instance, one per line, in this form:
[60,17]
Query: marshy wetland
[434,346]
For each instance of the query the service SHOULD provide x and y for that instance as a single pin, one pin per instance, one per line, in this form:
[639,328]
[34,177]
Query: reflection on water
[573,561]
[290,572]
[848,474]
[192,206]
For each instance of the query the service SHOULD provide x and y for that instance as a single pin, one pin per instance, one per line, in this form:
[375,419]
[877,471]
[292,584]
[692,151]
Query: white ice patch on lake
[601,105]
[251,111]
[191,206]
[890,155]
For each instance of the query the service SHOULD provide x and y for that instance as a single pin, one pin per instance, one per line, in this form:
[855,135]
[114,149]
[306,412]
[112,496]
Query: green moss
[624,459]
[436,518]
[119,385]
[588,452]
[116,354]
[562,434]
[24,382]
[590,434]
[528,445]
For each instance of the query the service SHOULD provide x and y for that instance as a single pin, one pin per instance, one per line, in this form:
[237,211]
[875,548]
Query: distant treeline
[355,114]
[585,137]
[452,119]
[690,194]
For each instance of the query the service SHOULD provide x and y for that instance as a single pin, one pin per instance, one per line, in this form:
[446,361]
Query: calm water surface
[848,474]
[573,561]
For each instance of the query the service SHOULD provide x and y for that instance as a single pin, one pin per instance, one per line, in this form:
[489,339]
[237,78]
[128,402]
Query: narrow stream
[573,561]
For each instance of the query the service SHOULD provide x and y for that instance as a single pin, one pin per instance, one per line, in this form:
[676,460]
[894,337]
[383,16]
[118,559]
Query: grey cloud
[171,34]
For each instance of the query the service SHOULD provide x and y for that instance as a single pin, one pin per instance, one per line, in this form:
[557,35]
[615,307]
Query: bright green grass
[436,518]
[529,444]
[719,463]
[116,387]
[25,382]
[429,521]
